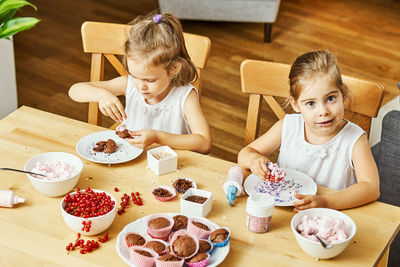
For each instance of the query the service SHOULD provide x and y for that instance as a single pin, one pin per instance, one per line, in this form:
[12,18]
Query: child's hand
[308,202]
[111,106]
[143,138]
[259,167]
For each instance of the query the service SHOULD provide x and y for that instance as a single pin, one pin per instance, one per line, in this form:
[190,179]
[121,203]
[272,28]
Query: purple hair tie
[157,18]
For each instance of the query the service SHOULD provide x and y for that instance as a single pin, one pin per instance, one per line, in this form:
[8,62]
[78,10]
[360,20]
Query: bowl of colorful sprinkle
[88,211]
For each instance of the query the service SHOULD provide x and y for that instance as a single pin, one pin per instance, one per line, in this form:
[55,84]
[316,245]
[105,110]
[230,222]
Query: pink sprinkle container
[259,213]
[161,233]
[198,232]
[202,263]
[141,260]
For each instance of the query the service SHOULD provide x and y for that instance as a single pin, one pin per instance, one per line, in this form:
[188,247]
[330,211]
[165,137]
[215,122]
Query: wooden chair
[106,40]
[269,80]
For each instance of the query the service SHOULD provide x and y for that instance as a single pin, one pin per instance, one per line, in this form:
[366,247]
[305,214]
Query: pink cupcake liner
[202,263]
[162,233]
[163,199]
[198,232]
[180,233]
[187,179]
[141,260]
[169,263]
[158,240]
[130,245]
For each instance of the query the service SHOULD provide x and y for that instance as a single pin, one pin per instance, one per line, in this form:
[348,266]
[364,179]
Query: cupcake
[159,226]
[180,222]
[184,245]
[158,246]
[141,256]
[134,239]
[205,246]
[169,260]
[220,237]
[163,193]
[199,227]
[199,260]
[183,184]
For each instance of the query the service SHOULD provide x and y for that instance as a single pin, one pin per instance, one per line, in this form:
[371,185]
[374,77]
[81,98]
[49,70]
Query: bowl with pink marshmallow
[332,226]
[61,172]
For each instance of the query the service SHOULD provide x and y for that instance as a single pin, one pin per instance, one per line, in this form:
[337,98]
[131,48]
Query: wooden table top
[34,233]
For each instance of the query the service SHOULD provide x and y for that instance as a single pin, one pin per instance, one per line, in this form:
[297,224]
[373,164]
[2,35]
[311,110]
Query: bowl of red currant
[88,211]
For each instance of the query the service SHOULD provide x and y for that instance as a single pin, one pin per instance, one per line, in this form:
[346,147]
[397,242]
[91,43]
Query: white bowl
[163,165]
[190,208]
[314,248]
[99,224]
[56,187]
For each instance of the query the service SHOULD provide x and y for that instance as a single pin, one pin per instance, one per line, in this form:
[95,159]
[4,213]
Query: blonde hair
[308,66]
[161,43]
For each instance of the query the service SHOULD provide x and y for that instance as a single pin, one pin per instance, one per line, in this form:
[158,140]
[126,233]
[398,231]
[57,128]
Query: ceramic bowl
[314,248]
[56,187]
[98,224]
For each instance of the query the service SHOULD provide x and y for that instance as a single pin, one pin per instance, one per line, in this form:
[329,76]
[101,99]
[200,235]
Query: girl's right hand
[111,106]
[258,167]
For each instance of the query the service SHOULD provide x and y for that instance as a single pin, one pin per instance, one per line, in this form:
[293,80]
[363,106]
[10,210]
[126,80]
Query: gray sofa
[387,157]
[262,11]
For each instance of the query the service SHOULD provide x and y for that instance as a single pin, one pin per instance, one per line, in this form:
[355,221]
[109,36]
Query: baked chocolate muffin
[123,134]
[204,246]
[198,257]
[108,146]
[184,246]
[169,257]
[219,235]
[180,222]
[201,226]
[155,245]
[133,239]
[159,223]
[144,253]
[161,192]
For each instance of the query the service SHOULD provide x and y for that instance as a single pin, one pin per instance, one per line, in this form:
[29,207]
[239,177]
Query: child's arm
[254,155]
[364,191]
[199,140]
[103,92]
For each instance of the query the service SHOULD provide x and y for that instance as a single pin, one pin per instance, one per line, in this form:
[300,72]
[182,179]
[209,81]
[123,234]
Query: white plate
[125,151]
[282,192]
[139,226]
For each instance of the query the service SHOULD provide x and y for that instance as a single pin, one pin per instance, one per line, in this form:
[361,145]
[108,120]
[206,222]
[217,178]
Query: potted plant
[10,25]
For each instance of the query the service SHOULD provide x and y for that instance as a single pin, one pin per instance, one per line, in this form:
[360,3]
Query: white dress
[166,116]
[328,164]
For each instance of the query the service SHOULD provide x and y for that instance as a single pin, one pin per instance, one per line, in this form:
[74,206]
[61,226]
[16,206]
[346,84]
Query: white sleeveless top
[166,116]
[328,164]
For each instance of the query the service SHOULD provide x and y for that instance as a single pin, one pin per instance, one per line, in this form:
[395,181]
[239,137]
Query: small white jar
[259,210]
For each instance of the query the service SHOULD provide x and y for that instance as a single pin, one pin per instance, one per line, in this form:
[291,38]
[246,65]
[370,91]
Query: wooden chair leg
[267,32]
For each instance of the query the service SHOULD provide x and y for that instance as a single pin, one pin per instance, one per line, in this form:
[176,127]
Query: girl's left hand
[308,202]
[143,138]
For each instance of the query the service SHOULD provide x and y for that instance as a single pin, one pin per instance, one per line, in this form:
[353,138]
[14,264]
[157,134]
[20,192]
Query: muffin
[157,246]
[198,257]
[159,226]
[134,239]
[184,246]
[183,184]
[220,237]
[169,260]
[141,256]
[199,227]
[180,222]
[108,146]
[204,246]
[168,257]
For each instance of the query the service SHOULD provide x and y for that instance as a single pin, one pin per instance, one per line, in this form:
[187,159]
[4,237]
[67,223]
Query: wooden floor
[364,34]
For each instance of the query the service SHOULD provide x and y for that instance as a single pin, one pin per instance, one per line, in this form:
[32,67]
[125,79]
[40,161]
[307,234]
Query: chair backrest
[106,40]
[267,80]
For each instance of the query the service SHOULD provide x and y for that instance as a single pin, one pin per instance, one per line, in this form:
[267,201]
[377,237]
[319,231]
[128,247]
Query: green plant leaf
[7,5]
[17,25]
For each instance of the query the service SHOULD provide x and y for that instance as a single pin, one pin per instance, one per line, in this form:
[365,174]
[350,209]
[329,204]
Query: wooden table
[34,233]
